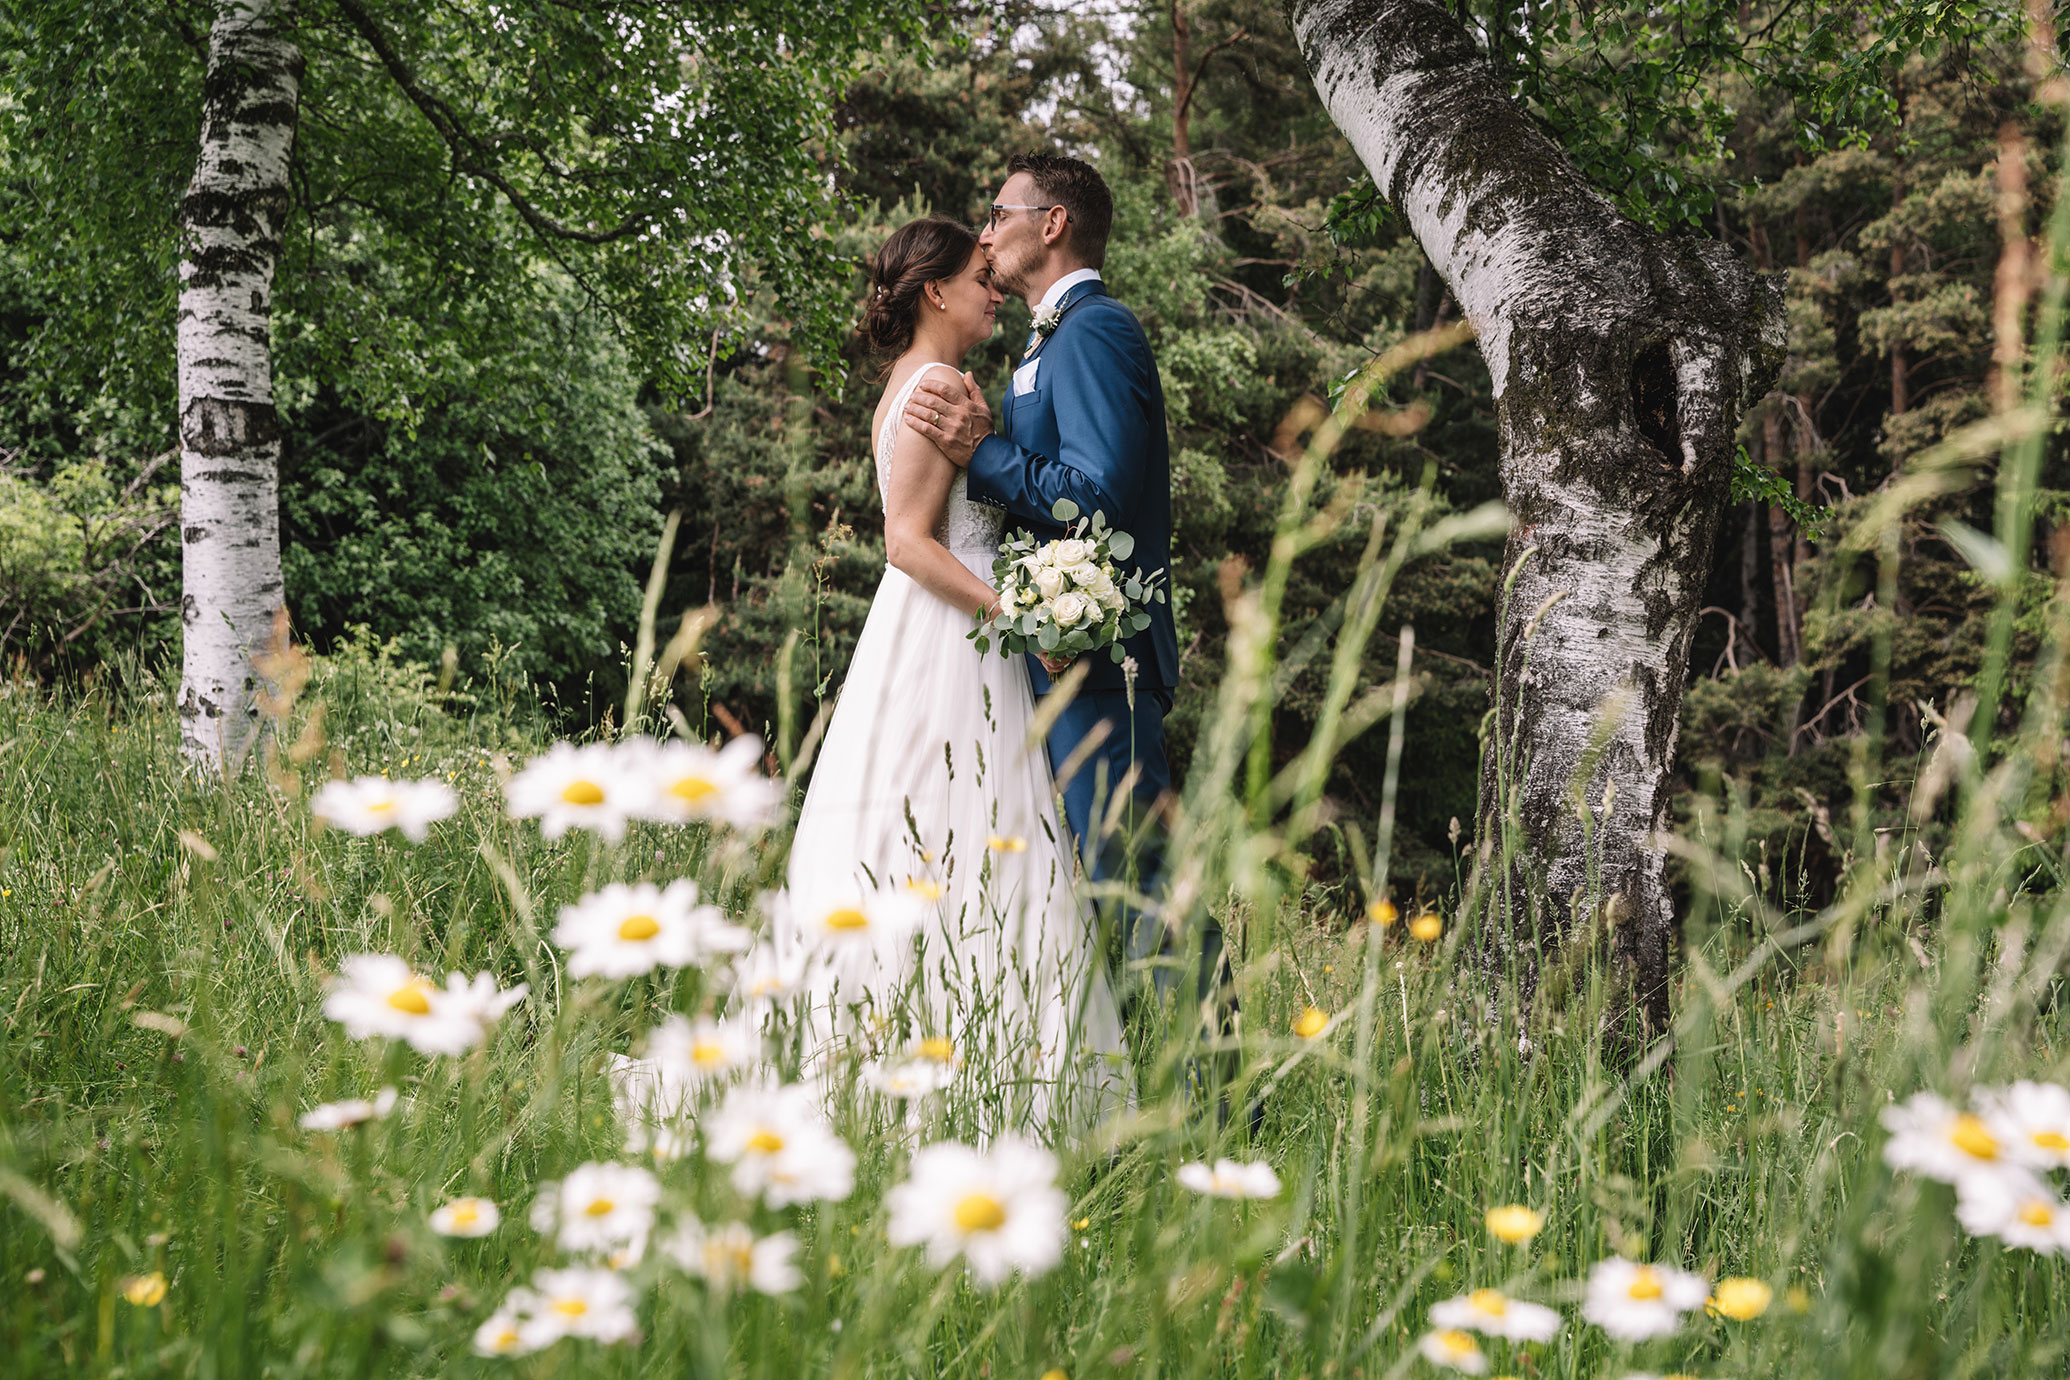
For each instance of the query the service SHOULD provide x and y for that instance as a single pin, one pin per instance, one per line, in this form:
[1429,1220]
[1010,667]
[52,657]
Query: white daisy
[1454,1349]
[368,804]
[689,781]
[577,1303]
[380,995]
[1229,1179]
[767,974]
[503,1334]
[1632,1302]
[592,787]
[606,1208]
[1001,1209]
[622,931]
[1930,1137]
[730,1255]
[1496,1314]
[691,1053]
[336,1116]
[908,1078]
[779,1144]
[466,1217]
[856,928]
[2032,1122]
[2016,1207]
[480,1000]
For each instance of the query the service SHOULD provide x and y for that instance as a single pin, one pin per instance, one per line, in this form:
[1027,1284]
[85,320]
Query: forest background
[509,510]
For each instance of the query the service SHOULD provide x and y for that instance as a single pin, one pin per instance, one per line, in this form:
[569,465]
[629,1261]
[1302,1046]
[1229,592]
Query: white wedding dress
[930,778]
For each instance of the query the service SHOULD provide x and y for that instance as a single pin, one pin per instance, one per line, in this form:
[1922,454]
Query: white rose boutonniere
[1045,322]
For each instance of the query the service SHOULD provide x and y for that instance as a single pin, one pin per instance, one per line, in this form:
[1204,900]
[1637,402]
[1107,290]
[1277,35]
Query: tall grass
[164,948]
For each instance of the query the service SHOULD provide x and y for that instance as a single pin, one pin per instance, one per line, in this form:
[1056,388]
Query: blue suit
[1084,420]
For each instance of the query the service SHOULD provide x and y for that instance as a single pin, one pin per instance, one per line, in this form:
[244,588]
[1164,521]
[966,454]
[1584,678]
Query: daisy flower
[578,1302]
[606,1208]
[1633,1302]
[336,1116]
[503,1334]
[479,1002]
[779,1144]
[1930,1137]
[929,1066]
[852,922]
[368,804]
[691,1053]
[730,1255]
[380,995]
[466,1217]
[2032,1122]
[593,787]
[689,781]
[1455,1350]
[766,974]
[1493,1312]
[999,1209]
[2017,1208]
[622,931]
[1229,1179]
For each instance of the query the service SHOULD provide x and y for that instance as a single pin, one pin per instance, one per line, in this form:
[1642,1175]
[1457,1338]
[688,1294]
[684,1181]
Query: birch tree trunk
[230,228]
[1621,362]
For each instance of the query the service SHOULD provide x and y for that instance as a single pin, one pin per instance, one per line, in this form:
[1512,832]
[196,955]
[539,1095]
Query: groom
[1083,419]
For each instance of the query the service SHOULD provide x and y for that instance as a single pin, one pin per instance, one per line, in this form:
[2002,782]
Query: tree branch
[470,154]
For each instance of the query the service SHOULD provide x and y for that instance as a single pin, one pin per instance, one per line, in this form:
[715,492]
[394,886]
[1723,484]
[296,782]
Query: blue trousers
[1130,846]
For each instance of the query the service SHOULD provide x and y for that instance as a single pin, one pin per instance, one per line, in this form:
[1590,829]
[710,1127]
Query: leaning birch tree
[231,220]
[1622,360]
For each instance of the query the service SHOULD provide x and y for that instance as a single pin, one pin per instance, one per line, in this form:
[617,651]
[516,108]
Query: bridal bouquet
[1066,596]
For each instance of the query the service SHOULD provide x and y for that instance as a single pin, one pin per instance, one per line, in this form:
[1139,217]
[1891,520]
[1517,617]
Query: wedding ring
[937,416]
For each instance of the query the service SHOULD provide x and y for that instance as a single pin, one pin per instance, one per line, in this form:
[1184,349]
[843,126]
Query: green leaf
[1118,653]
[1063,510]
[1120,545]
[1047,637]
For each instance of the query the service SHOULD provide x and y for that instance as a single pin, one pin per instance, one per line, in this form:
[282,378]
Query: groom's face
[1014,243]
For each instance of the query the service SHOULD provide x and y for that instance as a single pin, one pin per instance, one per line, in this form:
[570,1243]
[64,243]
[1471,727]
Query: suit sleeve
[1098,381]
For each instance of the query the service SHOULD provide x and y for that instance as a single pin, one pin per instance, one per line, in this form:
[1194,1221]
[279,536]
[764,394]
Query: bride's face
[968,304]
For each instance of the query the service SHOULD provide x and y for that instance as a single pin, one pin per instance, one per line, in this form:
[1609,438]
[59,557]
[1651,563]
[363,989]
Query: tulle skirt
[931,780]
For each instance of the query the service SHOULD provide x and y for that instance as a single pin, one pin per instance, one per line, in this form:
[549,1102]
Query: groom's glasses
[999,211]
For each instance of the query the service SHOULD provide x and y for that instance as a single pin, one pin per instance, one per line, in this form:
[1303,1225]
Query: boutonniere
[1046,319]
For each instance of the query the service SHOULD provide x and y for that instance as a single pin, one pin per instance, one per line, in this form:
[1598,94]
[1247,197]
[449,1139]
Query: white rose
[1071,551]
[1010,598]
[1049,581]
[1070,608]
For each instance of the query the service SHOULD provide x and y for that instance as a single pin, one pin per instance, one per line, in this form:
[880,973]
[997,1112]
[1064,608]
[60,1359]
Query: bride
[928,865]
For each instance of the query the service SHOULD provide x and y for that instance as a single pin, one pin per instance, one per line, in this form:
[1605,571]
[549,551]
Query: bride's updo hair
[918,252]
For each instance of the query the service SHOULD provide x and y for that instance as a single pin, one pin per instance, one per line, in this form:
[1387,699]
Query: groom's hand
[952,415]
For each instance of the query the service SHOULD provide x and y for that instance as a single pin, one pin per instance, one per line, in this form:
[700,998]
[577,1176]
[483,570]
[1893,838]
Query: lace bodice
[964,526]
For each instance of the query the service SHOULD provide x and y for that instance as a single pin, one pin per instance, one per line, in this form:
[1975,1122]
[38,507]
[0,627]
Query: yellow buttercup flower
[1312,1021]
[145,1291]
[1381,912]
[1055,1373]
[1514,1223]
[1740,1299]
[1427,926]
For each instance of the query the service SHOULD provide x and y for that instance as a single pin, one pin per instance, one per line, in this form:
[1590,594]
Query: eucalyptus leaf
[1120,545]
[1063,510]
[1047,637]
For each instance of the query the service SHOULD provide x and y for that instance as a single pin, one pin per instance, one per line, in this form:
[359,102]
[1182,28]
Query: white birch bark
[230,223]
[1621,362]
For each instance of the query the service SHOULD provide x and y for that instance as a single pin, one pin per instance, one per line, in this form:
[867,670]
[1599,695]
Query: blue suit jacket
[1092,430]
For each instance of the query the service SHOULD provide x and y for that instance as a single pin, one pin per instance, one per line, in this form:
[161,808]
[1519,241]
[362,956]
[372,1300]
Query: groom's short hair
[1075,186]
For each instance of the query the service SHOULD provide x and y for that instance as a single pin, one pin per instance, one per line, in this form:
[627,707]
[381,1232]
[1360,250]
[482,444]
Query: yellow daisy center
[2051,1140]
[925,888]
[582,793]
[506,1339]
[980,1212]
[2036,1213]
[600,1207]
[1310,1022]
[707,1054]
[1489,1301]
[571,1308]
[1457,1343]
[378,807]
[1002,843]
[1972,1137]
[692,788]
[938,1049]
[767,1142]
[638,927]
[465,1213]
[1645,1284]
[847,918]
[1514,1223]
[413,997]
